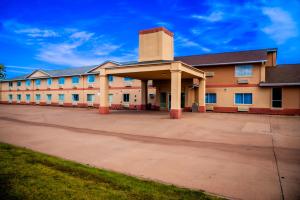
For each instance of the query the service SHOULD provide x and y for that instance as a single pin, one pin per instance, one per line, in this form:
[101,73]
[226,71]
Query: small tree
[2,72]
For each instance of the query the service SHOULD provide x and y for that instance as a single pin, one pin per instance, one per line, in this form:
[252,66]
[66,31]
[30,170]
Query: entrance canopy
[174,71]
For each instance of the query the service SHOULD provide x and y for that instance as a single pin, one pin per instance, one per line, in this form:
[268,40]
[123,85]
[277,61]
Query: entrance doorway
[163,100]
[276,97]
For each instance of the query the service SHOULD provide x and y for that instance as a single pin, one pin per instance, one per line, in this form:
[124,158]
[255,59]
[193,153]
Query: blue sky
[71,33]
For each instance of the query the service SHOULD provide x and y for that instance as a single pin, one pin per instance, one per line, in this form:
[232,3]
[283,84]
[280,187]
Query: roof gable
[38,74]
[104,65]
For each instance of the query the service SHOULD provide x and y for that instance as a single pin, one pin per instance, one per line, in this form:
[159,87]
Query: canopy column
[175,112]
[104,102]
[201,95]
[144,94]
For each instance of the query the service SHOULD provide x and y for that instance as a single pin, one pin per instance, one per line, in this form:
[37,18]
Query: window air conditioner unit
[242,81]
[90,85]
[243,108]
[61,103]
[9,101]
[209,74]
[74,103]
[128,83]
[90,104]
[74,86]
[126,105]
[18,101]
[37,102]
[209,107]
[60,86]
[48,87]
[48,102]
[27,101]
[10,88]
[18,88]
[27,88]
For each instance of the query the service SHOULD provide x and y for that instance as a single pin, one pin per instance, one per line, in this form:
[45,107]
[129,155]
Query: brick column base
[103,110]
[175,113]
[201,109]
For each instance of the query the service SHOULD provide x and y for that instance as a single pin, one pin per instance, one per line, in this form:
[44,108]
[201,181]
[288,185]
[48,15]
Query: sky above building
[70,33]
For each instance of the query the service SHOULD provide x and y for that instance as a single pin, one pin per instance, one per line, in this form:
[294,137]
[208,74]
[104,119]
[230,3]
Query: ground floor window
[125,97]
[110,98]
[27,97]
[10,97]
[75,97]
[276,97]
[37,97]
[243,98]
[19,97]
[90,97]
[210,98]
[61,97]
[49,97]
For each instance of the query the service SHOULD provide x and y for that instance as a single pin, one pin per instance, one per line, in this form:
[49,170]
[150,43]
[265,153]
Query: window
[19,97]
[27,82]
[276,97]
[37,97]
[49,81]
[125,97]
[75,97]
[91,78]
[49,97]
[10,84]
[210,98]
[243,98]
[61,97]
[127,79]
[110,98]
[19,83]
[110,78]
[243,70]
[38,82]
[27,97]
[10,97]
[61,81]
[90,97]
[75,79]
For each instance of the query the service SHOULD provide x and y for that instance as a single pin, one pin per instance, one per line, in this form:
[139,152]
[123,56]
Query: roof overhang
[155,70]
[278,84]
[230,63]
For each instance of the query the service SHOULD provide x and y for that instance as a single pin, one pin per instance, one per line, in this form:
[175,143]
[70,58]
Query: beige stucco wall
[291,97]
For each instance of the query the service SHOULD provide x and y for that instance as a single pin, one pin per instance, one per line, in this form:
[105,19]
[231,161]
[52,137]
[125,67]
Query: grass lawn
[25,174]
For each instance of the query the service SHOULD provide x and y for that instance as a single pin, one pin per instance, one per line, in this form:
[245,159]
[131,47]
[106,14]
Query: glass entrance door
[276,97]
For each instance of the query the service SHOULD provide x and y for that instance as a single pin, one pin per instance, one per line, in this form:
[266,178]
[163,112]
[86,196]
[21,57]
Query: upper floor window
[110,78]
[49,81]
[19,83]
[210,98]
[243,70]
[243,98]
[28,82]
[19,97]
[10,84]
[91,78]
[75,79]
[127,79]
[61,81]
[38,81]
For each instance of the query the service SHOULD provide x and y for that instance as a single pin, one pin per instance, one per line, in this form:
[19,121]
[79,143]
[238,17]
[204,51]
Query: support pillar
[144,91]
[175,112]
[201,95]
[104,102]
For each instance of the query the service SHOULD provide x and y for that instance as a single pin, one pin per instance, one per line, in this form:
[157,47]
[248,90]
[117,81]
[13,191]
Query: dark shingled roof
[223,58]
[284,74]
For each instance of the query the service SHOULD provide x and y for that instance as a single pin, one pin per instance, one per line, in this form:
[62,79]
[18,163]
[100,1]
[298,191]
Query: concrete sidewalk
[238,156]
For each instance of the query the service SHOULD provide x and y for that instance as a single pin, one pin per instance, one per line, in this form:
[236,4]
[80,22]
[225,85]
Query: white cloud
[185,42]
[106,49]
[282,25]
[82,35]
[36,32]
[213,17]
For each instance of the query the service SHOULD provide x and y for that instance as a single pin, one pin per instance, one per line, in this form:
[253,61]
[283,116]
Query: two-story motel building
[244,81]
